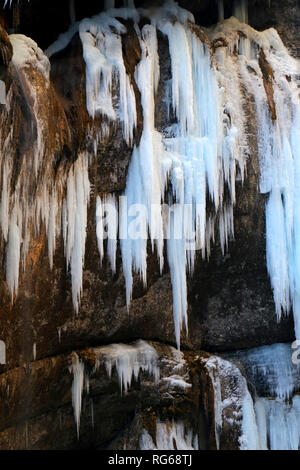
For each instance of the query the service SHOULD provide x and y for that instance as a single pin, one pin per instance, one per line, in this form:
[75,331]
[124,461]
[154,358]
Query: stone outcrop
[43,418]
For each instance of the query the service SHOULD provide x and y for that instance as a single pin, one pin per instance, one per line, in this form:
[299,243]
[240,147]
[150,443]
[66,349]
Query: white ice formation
[199,155]
[168,433]
[273,416]
[173,172]
[77,370]
[233,403]
[129,360]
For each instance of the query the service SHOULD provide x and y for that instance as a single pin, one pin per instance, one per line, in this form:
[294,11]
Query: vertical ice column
[13,252]
[232,398]
[276,379]
[75,223]
[294,256]
[278,423]
[280,163]
[77,369]
[240,10]
[169,436]
[145,183]
[102,52]
[129,361]
[107,227]
[176,250]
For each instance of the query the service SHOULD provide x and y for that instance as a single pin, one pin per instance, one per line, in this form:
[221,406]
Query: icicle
[261,419]
[182,75]
[78,251]
[169,436]
[250,435]
[75,223]
[278,117]
[129,361]
[279,144]
[52,228]
[278,423]
[2,92]
[204,151]
[104,59]
[144,186]
[194,155]
[99,227]
[177,263]
[272,366]
[4,206]
[62,41]
[231,390]
[13,253]
[188,157]
[294,257]
[77,369]
[107,227]
[112,232]
[277,418]
[215,379]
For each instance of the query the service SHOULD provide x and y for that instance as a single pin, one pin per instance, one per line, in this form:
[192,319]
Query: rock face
[286,19]
[230,302]
[171,393]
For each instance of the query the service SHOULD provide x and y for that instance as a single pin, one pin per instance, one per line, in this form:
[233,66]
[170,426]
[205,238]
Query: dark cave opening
[44,21]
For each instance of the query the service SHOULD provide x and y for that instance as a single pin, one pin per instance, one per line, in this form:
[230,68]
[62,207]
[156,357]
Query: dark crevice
[33,18]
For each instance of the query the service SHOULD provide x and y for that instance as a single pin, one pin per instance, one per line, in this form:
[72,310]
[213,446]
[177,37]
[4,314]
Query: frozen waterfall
[175,171]
[276,410]
[195,156]
[180,193]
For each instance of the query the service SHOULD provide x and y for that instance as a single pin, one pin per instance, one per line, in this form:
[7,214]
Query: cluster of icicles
[271,421]
[269,417]
[169,436]
[201,155]
[128,360]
